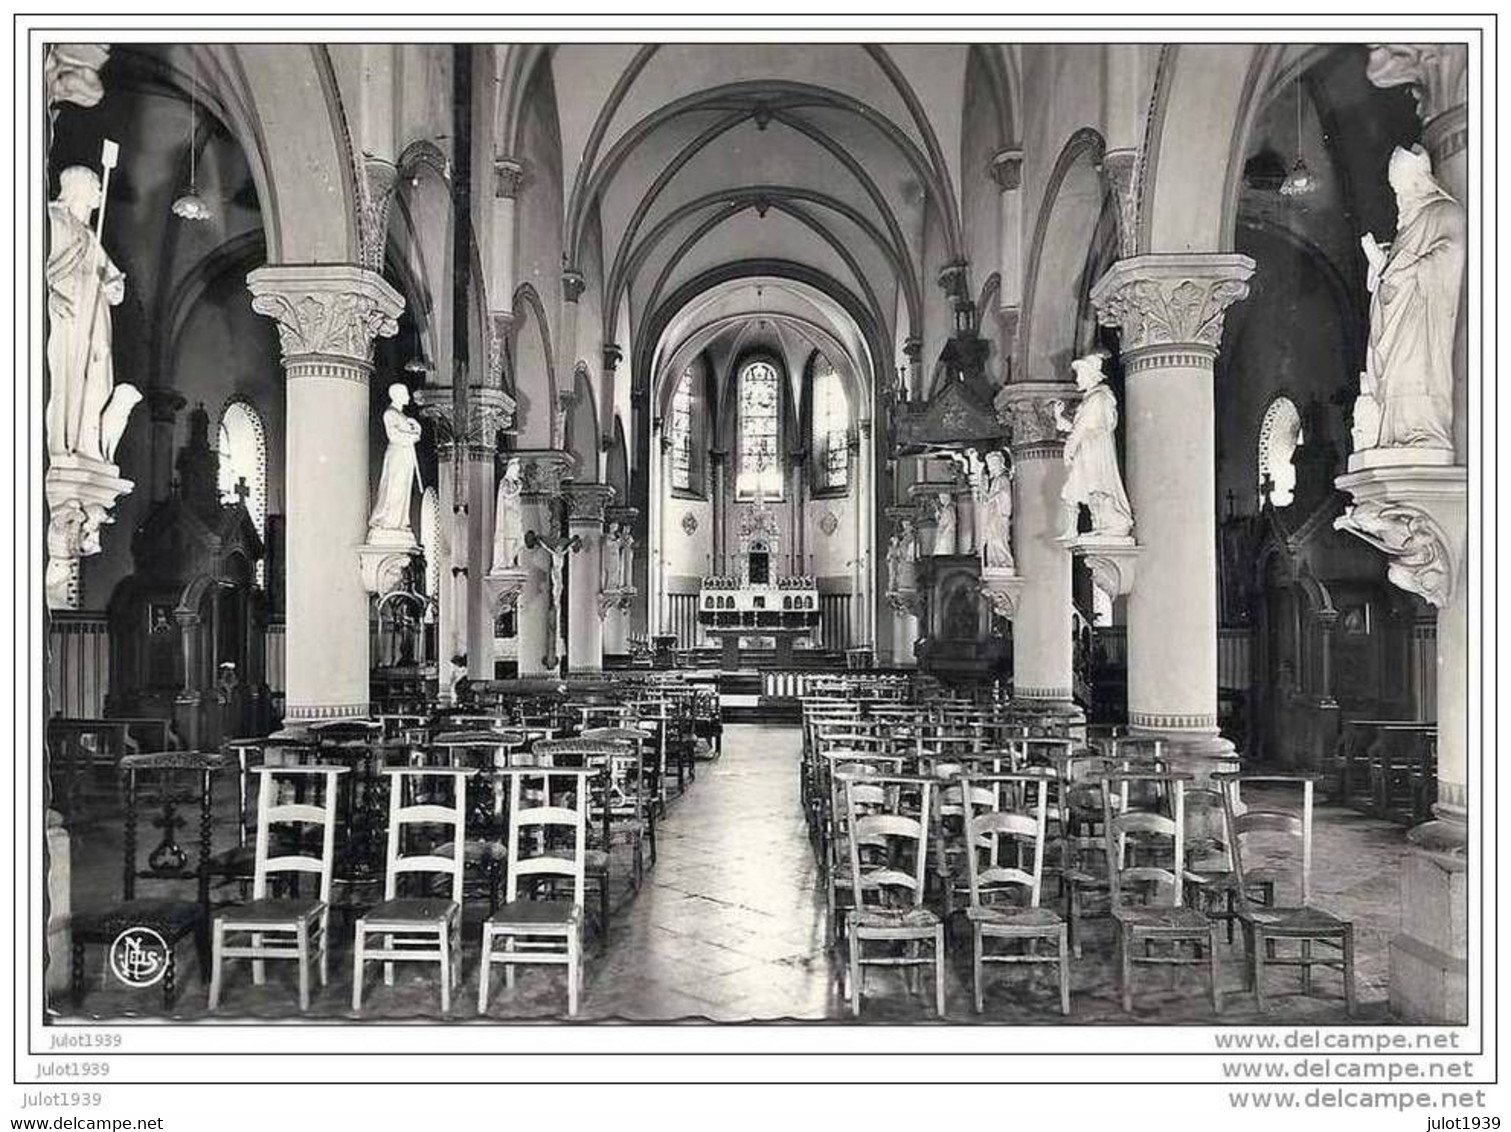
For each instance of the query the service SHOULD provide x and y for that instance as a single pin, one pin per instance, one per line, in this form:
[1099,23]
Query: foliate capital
[1171,300]
[334,311]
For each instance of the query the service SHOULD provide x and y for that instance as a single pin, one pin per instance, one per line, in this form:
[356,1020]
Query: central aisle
[730,923]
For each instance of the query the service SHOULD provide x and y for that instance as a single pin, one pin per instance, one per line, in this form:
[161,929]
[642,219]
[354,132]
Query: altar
[747,614]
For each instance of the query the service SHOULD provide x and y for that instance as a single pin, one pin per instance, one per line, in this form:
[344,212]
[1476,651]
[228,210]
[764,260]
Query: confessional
[187,627]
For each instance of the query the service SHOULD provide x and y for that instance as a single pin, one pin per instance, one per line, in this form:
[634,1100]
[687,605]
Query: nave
[729,926]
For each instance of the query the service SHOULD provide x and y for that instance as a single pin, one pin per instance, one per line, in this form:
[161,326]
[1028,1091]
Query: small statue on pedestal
[1091,456]
[995,511]
[1414,285]
[508,519]
[401,471]
[947,523]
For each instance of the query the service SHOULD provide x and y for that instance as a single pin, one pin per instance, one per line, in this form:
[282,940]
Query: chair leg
[1262,947]
[574,963]
[1125,960]
[302,941]
[217,943]
[939,970]
[977,967]
[508,962]
[445,954]
[1306,967]
[388,964]
[854,947]
[358,957]
[1064,973]
[259,967]
[1216,990]
[1348,968]
[170,978]
[325,947]
[76,973]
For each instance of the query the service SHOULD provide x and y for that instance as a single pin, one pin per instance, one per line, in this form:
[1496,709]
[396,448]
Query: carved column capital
[572,285]
[543,471]
[1007,169]
[328,316]
[489,411]
[379,177]
[1170,308]
[1121,167]
[508,174]
[1027,408]
[588,502]
[1417,516]
[72,72]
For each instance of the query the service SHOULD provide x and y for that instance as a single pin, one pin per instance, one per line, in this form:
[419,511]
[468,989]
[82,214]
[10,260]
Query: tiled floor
[730,927]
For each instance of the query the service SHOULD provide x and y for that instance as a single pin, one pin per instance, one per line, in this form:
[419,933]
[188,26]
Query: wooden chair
[541,931]
[418,928]
[630,817]
[1263,927]
[889,848]
[181,778]
[1210,882]
[1004,852]
[290,927]
[1159,916]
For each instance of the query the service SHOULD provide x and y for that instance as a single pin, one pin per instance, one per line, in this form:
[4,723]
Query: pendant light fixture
[191,206]
[1300,181]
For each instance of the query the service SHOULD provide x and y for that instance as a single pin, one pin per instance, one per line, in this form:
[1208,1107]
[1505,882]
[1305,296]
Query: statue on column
[944,531]
[401,470]
[621,573]
[1092,475]
[995,513]
[86,411]
[1414,285]
[508,519]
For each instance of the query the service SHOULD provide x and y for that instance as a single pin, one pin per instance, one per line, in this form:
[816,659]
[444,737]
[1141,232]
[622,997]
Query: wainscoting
[78,664]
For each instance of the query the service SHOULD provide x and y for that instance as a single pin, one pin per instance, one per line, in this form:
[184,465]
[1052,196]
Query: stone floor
[729,926]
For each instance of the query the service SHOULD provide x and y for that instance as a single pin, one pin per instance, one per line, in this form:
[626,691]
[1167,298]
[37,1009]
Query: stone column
[328,317]
[163,407]
[508,172]
[865,548]
[615,607]
[902,592]
[542,472]
[1007,171]
[465,626]
[1416,513]
[1170,310]
[1042,647]
[718,461]
[612,355]
[585,515]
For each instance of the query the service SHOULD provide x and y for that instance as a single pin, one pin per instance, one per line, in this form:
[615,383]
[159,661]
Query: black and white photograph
[758,536]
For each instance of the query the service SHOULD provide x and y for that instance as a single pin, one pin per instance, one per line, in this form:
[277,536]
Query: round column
[585,516]
[327,319]
[1043,663]
[1170,309]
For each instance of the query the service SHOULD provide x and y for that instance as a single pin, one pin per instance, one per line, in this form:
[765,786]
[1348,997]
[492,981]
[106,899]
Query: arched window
[1279,437]
[430,540]
[243,445]
[682,432]
[831,427]
[760,434]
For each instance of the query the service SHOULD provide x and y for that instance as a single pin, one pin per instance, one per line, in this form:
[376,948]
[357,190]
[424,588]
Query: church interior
[881,532]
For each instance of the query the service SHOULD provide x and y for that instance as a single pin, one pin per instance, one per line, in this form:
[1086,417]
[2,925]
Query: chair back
[271,811]
[548,826]
[1291,827]
[888,817]
[1129,872]
[1004,842]
[449,818]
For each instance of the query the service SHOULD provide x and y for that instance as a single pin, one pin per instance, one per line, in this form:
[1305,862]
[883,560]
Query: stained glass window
[831,426]
[243,446]
[1279,437]
[760,452]
[682,432]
